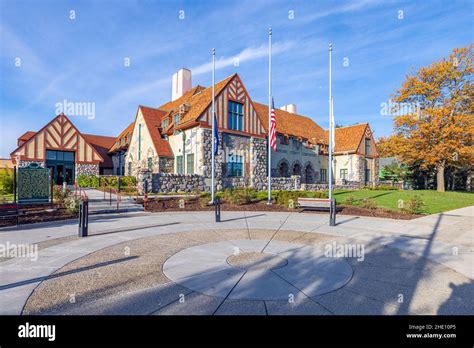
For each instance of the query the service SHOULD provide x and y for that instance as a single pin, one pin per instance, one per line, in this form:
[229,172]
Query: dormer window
[176,119]
[165,123]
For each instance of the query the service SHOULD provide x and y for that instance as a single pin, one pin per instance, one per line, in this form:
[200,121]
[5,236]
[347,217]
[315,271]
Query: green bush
[239,196]
[6,181]
[351,200]
[91,181]
[380,188]
[128,181]
[368,204]
[414,205]
[60,196]
[263,195]
[109,181]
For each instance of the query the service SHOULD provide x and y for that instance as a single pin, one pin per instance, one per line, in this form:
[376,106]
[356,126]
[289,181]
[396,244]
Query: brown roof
[348,138]
[102,145]
[153,119]
[198,99]
[27,136]
[124,133]
[292,124]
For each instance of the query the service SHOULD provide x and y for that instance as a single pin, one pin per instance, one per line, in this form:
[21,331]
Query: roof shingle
[292,124]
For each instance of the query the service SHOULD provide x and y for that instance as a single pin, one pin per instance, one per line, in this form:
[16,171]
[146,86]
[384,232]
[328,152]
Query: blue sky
[82,59]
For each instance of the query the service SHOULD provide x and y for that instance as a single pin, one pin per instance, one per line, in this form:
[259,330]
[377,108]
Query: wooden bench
[314,203]
[319,204]
[9,211]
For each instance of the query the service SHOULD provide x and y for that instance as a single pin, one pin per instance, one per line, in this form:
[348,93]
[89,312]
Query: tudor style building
[67,152]
[175,138]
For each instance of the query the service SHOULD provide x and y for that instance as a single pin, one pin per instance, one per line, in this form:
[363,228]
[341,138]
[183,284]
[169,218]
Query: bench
[314,203]
[8,211]
[318,204]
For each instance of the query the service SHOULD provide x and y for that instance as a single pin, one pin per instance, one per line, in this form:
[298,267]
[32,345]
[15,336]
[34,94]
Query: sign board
[33,184]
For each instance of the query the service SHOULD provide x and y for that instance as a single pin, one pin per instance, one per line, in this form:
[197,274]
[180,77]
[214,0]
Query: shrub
[239,196]
[380,188]
[128,181]
[87,181]
[368,204]
[414,205]
[263,195]
[60,196]
[109,181]
[351,200]
[6,181]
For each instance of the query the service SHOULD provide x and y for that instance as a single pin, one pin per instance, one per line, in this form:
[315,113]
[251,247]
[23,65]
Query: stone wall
[177,183]
[86,169]
[258,163]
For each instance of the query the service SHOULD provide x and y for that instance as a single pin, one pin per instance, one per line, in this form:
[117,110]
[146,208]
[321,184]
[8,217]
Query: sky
[117,54]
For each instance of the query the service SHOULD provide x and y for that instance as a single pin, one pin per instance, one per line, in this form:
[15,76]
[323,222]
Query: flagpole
[269,114]
[331,126]
[213,124]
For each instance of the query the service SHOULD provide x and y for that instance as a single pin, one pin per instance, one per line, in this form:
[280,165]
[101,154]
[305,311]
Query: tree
[437,128]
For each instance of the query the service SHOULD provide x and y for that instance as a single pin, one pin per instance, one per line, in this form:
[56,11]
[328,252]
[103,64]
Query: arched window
[283,170]
[296,169]
[308,174]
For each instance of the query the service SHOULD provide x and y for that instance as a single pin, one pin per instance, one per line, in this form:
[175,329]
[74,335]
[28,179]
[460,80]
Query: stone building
[175,139]
[171,145]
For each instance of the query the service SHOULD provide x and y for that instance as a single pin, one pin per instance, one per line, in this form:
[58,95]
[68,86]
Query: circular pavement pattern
[251,272]
[239,270]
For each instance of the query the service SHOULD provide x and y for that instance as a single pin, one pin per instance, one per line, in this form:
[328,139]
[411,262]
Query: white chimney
[182,83]
[289,108]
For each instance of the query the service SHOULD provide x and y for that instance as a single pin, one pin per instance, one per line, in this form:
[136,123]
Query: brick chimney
[182,83]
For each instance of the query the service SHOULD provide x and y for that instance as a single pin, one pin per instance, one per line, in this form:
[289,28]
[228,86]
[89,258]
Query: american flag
[273,126]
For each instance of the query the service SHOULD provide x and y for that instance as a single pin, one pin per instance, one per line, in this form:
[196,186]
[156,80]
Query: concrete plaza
[259,263]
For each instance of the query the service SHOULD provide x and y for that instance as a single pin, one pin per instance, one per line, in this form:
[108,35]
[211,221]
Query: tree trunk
[468,182]
[440,177]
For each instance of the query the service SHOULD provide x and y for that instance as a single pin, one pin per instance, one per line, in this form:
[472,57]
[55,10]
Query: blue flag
[216,136]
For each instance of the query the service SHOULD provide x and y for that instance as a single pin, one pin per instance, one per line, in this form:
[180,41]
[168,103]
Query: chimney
[181,83]
[289,108]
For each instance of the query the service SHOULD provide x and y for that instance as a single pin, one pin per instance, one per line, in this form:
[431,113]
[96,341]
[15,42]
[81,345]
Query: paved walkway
[133,264]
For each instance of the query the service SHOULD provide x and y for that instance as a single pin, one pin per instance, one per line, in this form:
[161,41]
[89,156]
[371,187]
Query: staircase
[99,205]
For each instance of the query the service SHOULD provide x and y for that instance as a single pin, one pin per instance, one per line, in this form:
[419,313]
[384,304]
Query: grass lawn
[435,202]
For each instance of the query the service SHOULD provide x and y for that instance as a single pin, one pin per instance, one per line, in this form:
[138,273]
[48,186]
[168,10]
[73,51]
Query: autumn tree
[436,128]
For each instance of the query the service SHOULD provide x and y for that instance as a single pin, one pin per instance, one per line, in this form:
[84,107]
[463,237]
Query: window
[284,140]
[235,117]
[179,165]
[343,174]
[190,163]
[296,144]
[129,168]
[235,165]
[165,123]
[176,119]
[150,163]
[367,174]
[118,143]
[367,146]
[323,175]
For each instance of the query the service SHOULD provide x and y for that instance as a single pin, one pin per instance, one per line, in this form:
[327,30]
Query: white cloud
[248,54]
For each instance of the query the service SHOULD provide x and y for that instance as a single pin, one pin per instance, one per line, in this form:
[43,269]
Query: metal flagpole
[331,136]
[213,124]
[269,114]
